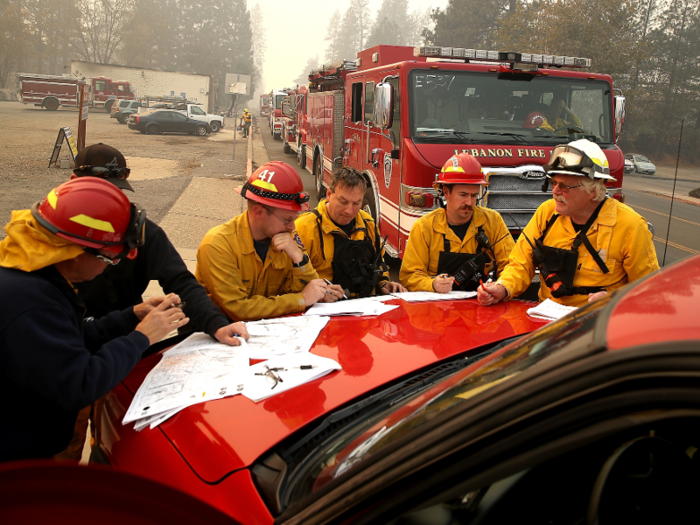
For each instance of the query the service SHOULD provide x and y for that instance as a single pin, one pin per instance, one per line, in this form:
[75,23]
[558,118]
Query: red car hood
[662,308]
[218,437]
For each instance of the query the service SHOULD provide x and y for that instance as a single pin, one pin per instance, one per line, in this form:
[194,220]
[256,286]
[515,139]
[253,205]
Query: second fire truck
[398,113]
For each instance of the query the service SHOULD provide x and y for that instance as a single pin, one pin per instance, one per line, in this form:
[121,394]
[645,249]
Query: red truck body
[443,106]
[265,105]
[52,91]
[276,98]
[294,122]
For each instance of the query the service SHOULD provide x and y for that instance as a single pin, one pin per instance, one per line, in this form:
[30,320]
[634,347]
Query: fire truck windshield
[464,107]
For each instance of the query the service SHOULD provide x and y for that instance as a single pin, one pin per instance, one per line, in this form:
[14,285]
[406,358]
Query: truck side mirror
[619,115]
[383,116]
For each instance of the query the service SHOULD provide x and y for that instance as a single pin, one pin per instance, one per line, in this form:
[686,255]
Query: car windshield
[355,443]
[641,158]
[464,107]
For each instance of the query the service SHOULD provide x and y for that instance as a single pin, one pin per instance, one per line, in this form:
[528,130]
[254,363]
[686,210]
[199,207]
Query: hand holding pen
[443,283]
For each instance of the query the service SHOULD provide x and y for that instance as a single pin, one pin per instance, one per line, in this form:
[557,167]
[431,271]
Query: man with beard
[583,243]
[456,246]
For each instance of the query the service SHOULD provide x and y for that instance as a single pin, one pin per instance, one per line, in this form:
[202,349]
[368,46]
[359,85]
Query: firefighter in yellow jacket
[343,241]
[452,248]
[255,266]
[583,243]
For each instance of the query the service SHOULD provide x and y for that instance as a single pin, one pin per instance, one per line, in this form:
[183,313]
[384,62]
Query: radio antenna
[673,193]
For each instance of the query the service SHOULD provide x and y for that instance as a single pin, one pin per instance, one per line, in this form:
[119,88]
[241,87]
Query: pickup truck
[195,111]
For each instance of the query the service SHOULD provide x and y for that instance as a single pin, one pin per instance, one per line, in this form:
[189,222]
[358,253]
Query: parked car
[123,108]
[641,164]
[444,413]
[167,121]
[629,165]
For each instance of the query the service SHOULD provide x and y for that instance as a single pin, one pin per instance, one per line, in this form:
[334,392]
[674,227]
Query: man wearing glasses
[53,363]
[255,266]
[122,285]
[583,243]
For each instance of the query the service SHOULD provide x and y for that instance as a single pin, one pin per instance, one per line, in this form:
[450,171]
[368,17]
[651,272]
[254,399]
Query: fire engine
[52,91]
[265,105]
[276,97]
[294,122]
[398,113]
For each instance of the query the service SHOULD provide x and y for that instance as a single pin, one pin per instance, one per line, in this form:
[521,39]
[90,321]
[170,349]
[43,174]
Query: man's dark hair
[347,177]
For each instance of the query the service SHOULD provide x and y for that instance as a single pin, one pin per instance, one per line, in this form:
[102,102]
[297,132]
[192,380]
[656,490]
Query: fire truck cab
[276,97]
[265,105]
[398,113]
[294,123]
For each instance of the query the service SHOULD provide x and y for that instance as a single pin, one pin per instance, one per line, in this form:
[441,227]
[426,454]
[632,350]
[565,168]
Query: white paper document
[279,374]
[414,297]
[369,306]
[200,369]
[196,370]
[550,310]
[283,335]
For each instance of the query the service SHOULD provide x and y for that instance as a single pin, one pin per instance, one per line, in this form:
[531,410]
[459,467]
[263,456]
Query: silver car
[641,164]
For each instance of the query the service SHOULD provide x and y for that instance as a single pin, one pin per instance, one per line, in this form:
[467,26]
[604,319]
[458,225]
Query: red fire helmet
[93,213]
[278,185]
[534,120]
[461,169]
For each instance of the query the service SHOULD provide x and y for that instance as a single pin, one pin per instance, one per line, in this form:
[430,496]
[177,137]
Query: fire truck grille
[517,196]
[513,183]
[514,201]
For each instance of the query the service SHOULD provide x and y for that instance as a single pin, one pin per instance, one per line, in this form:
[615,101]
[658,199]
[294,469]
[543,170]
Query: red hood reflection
[662,308]
[228,434]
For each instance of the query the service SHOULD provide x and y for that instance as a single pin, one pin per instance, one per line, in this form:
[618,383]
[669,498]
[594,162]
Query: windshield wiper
[506,134]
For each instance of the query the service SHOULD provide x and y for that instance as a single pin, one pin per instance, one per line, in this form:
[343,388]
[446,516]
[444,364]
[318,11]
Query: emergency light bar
[500,56]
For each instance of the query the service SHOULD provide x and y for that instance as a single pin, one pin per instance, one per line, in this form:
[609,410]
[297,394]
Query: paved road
[651,197]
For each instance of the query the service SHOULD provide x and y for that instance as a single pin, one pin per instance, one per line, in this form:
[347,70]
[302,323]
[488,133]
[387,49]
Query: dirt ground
[162,165]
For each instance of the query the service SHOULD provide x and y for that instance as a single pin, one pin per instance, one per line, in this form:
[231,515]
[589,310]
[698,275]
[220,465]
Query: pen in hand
[330,283]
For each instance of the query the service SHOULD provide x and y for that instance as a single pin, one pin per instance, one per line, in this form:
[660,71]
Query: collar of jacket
[440,223]
[328,226]
[245,239]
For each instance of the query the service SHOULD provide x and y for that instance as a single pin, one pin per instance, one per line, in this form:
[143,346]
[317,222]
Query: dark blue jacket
[52,363]
[121,286]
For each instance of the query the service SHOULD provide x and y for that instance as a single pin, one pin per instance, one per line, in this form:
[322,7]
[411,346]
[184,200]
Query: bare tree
[101,28]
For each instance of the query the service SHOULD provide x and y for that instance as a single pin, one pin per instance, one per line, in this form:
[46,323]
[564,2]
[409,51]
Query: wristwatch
[301,263]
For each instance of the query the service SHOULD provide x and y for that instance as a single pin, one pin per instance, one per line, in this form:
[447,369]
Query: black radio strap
[581,237]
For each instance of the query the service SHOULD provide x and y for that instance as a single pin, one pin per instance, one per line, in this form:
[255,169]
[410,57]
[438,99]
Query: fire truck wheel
[215,126]
[318,177]
[201,131]
[153,129]
[51,104]
[287,149]
[108,105]
[369,204]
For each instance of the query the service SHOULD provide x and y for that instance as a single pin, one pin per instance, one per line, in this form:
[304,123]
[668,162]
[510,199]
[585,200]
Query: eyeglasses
[104,258]
[284,221]
[563,187]
[106,171]
[271,375]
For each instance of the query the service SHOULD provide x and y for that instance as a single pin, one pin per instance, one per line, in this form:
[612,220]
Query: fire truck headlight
[419,200]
